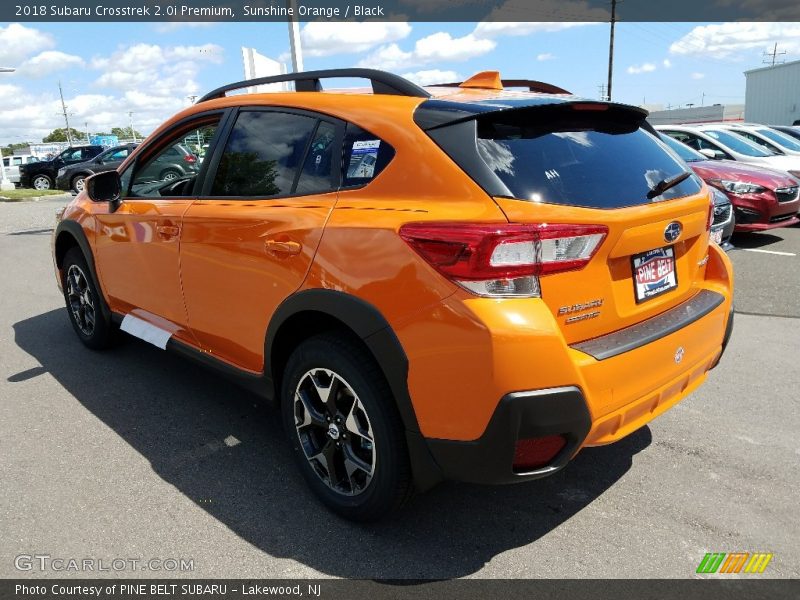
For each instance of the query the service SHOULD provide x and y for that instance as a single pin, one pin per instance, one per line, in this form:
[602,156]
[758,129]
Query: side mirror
[104,187]
[712,154]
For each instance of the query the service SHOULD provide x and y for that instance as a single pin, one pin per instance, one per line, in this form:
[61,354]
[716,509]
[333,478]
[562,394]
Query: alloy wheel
[41,183]
[334,431]
[81,303]
[79,184]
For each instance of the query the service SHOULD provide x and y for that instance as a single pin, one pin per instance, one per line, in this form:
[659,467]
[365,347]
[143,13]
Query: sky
[109,69]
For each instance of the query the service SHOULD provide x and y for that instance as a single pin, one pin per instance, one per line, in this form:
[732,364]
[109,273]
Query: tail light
[534,453]
[503,259]
[189,158]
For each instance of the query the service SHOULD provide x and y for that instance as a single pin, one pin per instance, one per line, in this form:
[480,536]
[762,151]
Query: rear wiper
[663,185]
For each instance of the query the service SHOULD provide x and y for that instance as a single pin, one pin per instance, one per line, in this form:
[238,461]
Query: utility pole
[64,110]
[133,131]
[703,99]
[773,56]
[5,185]
[294,38]
[602,89]
[611,46]
[87,131]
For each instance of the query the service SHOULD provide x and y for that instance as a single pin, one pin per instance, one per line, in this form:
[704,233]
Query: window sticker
[363,159]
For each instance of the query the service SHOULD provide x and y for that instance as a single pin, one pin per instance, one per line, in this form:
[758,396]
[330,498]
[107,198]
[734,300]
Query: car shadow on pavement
[754,240]
[207,438]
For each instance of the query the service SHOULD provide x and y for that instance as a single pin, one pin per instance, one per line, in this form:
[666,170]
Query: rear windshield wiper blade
[665,184]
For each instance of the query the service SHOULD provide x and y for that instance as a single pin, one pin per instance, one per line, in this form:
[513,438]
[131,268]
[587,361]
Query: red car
[762,198]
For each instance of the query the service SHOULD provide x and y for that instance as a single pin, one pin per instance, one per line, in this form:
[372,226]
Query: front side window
[73,155]
[172,168]
[737,143]
[263,154]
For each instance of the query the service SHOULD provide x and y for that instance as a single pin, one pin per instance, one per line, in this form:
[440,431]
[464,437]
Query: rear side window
[365,156]
[594,159]
[263,154]
[315,177]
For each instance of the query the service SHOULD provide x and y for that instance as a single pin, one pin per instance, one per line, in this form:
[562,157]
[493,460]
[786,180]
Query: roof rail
[532,85]
[309,81]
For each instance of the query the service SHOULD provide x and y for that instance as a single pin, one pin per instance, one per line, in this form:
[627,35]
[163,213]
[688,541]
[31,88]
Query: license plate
[654,273]
[716,236]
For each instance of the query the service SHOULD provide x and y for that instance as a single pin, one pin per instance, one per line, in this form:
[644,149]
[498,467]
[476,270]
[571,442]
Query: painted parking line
[768,251]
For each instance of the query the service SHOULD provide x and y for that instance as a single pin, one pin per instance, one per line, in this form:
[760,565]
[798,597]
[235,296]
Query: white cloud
[545,56]
[667,63]
[49,61]
[325,38]
[436,48]
[433,76]
[643,68]
[17,42]
[737,40]
[698,75]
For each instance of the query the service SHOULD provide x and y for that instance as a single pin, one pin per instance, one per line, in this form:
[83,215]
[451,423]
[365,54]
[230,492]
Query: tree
[60,135]
[9,150]
[125,133]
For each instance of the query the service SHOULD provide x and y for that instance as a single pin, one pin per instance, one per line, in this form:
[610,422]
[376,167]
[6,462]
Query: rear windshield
[587,158]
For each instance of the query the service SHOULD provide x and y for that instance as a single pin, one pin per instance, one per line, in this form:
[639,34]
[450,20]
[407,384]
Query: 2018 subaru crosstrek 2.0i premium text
[453,282]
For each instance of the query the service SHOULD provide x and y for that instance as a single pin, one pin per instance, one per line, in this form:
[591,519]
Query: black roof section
[310,81]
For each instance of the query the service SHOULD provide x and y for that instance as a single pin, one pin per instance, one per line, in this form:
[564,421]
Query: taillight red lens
[470,252]
[189,158]
[535,453]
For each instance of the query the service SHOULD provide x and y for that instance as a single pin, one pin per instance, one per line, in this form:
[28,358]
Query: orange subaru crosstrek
[458,282]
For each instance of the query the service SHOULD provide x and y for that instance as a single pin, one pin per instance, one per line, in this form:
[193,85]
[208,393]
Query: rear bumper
[520,415]
[566,411]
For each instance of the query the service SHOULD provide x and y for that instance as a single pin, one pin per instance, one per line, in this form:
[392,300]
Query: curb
[59,197]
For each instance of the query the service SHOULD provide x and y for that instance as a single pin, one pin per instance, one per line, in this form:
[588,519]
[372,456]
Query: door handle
[277,247]
[168,231]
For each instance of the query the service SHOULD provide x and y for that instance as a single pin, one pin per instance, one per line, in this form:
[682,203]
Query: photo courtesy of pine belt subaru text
[470,281]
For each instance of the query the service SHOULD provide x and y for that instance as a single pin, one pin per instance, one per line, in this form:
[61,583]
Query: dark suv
[72,177]
[42,175]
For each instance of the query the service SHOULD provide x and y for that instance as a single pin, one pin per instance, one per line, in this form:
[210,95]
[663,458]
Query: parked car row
[69,170]
[762,198]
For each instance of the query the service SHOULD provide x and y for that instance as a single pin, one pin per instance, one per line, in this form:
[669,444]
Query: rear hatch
[596,164]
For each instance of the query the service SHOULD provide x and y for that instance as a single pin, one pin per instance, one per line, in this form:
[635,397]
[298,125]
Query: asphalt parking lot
[136,454]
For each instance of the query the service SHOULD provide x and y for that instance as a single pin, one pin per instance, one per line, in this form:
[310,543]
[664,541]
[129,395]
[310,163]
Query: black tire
[78,180]
[84,303]
[44,182]
[390,485]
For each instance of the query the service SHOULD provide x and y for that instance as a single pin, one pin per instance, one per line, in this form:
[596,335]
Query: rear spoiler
[434,113]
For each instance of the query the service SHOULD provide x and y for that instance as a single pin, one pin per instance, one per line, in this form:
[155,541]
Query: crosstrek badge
[654,273]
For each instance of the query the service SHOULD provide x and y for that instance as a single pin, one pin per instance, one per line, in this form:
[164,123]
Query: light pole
[294,38]
[5,184]
[133,131]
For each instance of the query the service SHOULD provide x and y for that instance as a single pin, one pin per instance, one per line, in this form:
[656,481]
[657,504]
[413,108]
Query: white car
[11,166]
[719,142]
[772,139]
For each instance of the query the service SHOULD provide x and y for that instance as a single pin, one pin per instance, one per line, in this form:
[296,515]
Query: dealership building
[772,95]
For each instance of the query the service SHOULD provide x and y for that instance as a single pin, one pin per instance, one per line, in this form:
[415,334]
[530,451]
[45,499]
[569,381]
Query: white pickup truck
[11,166]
